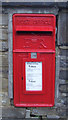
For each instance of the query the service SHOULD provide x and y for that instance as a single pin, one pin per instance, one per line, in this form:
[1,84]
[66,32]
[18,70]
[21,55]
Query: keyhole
[22,78]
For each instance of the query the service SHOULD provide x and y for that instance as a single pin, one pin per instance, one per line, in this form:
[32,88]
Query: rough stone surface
[63,28]
[64,52]
[4,72]
[22,119]
[11,112]
[43,111]
[4,100]
[27,114]
[5,85]
[53,10]
[4,19]
[52,117]
[60,110]
[4,35]
[4,45]
[63,74]
[64,63]
[4,60]
[63,88]
[4,57]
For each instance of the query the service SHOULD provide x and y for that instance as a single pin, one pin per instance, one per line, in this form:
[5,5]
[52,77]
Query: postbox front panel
[33,60]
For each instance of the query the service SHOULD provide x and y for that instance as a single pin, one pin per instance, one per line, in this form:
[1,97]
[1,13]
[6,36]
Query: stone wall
[61,80]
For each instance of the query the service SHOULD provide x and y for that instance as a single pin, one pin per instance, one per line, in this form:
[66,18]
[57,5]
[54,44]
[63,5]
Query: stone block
[64,63]
[4,72]
[22,119]
[43,111]
[27,114]
[52,10]
[62,111]
[65,100]
[63,94]
[63,74]
[62,28]
[4,46]
[57,118]
[14,113]
[4,85]
[61,101]
[63,88]
[4,100]
[4,59]
[64,52]
[67,113]
[3,34]
[4,18]
[53,117]
[11,119]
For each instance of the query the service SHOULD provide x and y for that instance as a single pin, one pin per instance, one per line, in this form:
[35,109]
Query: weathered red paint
[34,33]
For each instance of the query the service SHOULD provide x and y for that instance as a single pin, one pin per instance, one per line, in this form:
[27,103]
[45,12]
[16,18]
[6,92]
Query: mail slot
[33,60]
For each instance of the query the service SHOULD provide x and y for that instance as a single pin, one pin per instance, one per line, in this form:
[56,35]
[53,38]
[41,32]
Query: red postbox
[33,60]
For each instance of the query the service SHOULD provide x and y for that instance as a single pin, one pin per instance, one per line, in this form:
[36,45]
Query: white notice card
[33,76]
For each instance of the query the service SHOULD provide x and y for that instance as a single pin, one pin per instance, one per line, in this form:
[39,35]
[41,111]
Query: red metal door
[34,60]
